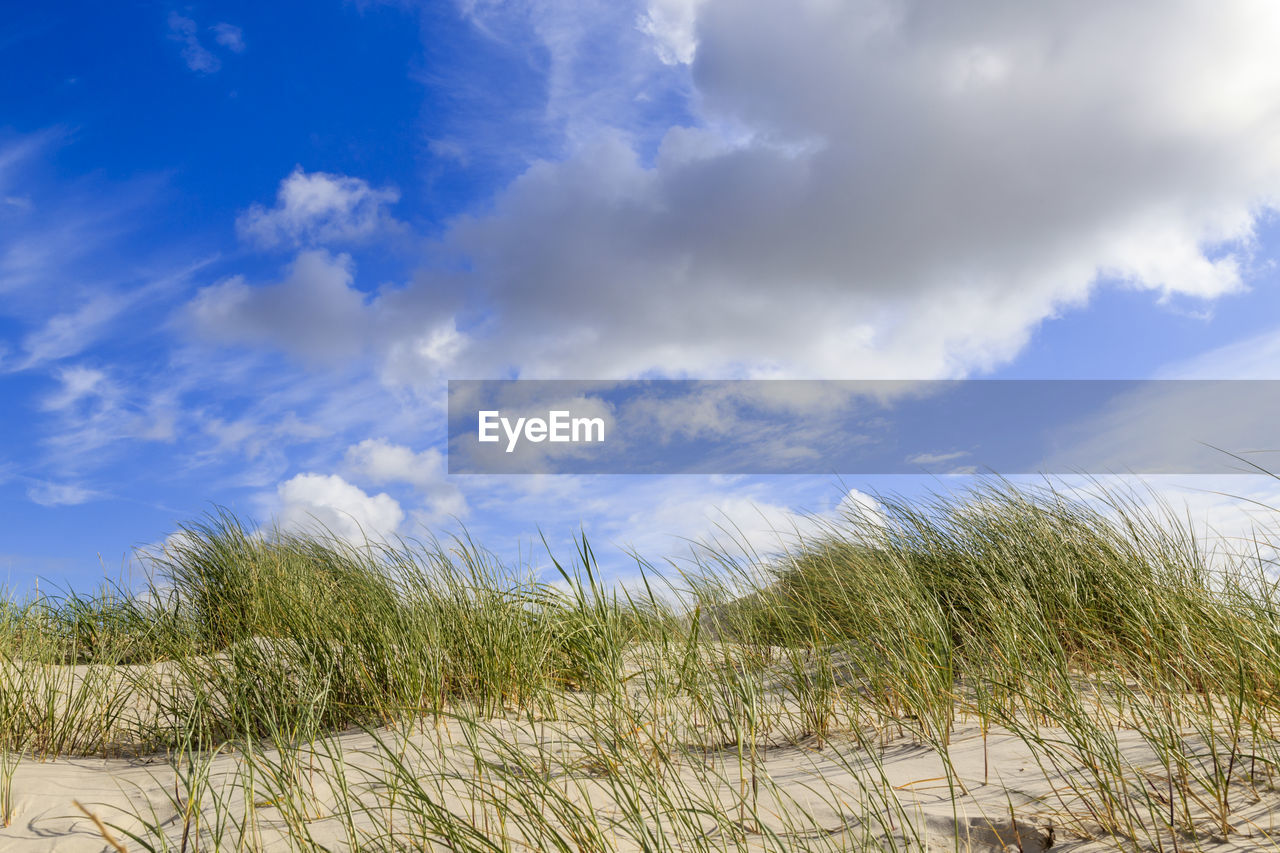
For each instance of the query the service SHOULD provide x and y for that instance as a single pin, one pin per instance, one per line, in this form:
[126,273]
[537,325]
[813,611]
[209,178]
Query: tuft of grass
[1137,667]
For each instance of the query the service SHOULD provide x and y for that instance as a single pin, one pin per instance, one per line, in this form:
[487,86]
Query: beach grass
[311,693]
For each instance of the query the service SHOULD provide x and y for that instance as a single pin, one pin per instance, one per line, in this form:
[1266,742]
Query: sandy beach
[1013,672]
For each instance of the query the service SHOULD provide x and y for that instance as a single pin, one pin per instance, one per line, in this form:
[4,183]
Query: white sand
[45,817]
[891,789]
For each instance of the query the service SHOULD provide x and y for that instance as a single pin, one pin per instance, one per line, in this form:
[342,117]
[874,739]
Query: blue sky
[243,246]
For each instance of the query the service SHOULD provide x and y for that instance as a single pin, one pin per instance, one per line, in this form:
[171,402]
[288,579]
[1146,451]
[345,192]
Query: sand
[885,787]
[1010,798]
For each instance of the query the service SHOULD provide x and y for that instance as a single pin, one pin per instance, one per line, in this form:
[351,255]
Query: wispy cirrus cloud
[197,57]
[229,36]
[59,494]
[68,334]
[75,384]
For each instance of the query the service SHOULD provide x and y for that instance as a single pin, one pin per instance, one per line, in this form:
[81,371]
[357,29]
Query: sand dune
[1011,672]
[892,792]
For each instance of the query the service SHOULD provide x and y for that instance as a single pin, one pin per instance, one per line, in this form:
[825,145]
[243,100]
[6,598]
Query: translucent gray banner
[863,427]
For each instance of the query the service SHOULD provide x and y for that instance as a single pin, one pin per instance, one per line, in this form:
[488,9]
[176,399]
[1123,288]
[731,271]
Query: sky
[244,246]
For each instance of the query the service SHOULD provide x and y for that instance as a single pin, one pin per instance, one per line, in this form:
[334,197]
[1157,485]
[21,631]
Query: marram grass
[495,711]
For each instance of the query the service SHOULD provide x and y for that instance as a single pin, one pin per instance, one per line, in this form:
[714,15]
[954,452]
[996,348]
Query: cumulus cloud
[319,208]
[747,524]
[916,191]
[317,311]
[379,462]
[859,508]
[667,517]
[342,509]
[869,189]
[314,310]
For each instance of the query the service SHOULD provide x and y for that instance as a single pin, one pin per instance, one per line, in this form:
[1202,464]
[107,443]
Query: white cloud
[198,58]
[1233,518]
[933,459]
[15,154]
[315,310]
[229,36]
[671,25]
[99,305]
[55,236]
[1172,427]
[450,149]
[869,189]
[417,356]
[1256,357]
[318,208]
[379,462]
[92,410]
[78,382]
[663,518]
[602,63]
[70,333]
[860,508]
[738,521]
[342,509]
[59,494]
[874,189]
